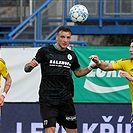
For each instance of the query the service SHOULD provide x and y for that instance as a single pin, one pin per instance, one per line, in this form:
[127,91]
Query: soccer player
[126,65]
[56,87]
[5,74]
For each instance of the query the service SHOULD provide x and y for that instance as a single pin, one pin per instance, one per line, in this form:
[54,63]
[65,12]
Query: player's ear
[56,37]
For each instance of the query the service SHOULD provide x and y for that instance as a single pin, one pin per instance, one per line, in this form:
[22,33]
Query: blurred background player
[5,74]
[126,65]
[56,88]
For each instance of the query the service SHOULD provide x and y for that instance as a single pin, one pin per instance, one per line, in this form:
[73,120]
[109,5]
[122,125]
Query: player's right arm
[100,64]
[29,66]
[8,80]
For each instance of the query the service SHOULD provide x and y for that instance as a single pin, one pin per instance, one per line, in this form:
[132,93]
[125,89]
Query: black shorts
[62,112]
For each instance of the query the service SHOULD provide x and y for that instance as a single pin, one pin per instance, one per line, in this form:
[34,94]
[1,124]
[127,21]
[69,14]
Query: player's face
[63,39]
[131,50]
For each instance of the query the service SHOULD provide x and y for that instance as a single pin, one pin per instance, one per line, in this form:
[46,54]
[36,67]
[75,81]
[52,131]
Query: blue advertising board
[92,118]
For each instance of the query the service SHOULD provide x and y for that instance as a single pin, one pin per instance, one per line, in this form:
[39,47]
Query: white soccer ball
[78,13]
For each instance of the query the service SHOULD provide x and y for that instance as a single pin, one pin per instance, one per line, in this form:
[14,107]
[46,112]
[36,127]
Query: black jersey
[56,66]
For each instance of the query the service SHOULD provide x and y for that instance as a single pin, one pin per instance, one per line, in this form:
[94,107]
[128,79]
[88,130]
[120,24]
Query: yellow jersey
[3,69]
[125,65]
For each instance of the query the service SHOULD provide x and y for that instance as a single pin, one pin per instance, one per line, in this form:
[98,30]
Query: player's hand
[29,66]
[126,75]
[94,58]
[94,66]
[1,100]
[33,63]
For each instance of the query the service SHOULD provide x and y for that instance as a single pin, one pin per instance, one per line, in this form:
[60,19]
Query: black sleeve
[75,65]
[40,55]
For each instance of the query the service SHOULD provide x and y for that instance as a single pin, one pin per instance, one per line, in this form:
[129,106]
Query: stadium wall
[92,118]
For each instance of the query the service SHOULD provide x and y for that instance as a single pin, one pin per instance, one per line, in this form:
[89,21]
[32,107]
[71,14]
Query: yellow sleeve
[117,65]
[122,64]
[3,68]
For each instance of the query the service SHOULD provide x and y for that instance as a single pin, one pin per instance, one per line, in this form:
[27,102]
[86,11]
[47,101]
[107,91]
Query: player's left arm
[126,75]
[83,71]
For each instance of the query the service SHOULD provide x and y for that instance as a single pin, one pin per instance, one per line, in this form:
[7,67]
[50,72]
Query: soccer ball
[78,13]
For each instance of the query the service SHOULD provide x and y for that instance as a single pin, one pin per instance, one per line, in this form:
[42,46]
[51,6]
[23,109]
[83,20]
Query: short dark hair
[64,28]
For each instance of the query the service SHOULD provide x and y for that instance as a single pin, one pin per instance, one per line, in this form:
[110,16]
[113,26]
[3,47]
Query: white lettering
[100,73]
[19,127]
[119,128]
[106,128]
[50,61]
[91,129]
[59,63]
[53,62]
[127,128]
[35,126]
[91,74]
[112,74]
[107,119]
[120,118]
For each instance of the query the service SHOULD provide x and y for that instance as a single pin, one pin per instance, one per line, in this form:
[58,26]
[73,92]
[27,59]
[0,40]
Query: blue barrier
[36,13]
[86,28]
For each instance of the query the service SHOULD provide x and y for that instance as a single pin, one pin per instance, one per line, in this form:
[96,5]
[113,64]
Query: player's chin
[131,57]
[64,46]
[1,104]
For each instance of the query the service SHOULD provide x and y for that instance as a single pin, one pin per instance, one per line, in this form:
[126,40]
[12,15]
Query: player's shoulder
[46,46]
[70,51]
[2,61]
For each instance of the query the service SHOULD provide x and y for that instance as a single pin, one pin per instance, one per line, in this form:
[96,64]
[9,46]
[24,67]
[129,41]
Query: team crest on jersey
[69,57]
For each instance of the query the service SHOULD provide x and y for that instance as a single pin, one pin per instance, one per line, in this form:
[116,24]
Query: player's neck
[57,46]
